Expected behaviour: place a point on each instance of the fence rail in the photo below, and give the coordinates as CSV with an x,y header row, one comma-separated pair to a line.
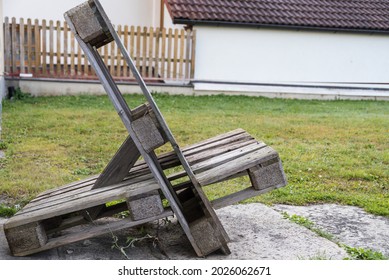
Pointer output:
x,y
49,49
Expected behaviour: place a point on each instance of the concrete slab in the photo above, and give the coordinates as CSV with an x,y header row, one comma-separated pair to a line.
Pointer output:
x,y
256,232
350,225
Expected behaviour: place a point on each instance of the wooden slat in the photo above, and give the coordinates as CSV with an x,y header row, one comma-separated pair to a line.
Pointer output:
x,y
169,53
51,46
29,46
182,55
125,66
44,48
15,48
193,56
151,52
37,41
144,51
226,157
118,54
138,48
83,193
58,48
240,196
156,54
22,44
163,53
112,60
175,54
94,231
79,61
72,54
84,201
120,165
237,165
187,54
7,46
132,46
65,49
106,54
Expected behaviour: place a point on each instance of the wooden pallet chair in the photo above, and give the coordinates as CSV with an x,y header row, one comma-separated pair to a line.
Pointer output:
x,y
139,185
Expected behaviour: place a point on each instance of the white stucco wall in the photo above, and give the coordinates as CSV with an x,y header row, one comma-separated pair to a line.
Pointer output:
x,y
294,57
131,12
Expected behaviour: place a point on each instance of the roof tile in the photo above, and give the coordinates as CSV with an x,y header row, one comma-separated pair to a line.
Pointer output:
x,y
337,14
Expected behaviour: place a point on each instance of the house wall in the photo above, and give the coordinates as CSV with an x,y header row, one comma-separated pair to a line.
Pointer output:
x,y
130,12
247,57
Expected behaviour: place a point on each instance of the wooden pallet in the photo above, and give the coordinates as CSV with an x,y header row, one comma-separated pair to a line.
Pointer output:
x,y
42,224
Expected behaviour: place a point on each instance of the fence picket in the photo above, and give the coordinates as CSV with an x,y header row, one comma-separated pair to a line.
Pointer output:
x,y
65,49
51,47
58,48
175,54
150,53
72,54
169,53
125,72
163,53
181,63
47,49
22,42
44,48
37,41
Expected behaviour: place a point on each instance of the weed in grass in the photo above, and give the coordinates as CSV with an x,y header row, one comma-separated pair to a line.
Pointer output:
x,y
363,254
7,212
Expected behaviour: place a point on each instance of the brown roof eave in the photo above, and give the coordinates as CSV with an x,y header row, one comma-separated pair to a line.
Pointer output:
x,y
277,26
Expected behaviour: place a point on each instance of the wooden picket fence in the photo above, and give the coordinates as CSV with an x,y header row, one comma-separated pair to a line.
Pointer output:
x,y
50,50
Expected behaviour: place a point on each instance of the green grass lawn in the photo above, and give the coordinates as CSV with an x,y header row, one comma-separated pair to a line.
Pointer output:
x,y
332,151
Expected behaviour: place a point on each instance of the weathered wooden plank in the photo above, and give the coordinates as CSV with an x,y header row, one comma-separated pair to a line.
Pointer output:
x,y
51,47
84,201
163,53
37,43
15,48
150,53
29,46
72,54
175,54
119,55
193,56
93,231
58,49
7,46
144,52
156,53
65,49
169,53
226,157
138,47
120,165
125,66
240,196
44,48
22,44
187,54
147,133
132,47
236,165
112,47
182,54
84,191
